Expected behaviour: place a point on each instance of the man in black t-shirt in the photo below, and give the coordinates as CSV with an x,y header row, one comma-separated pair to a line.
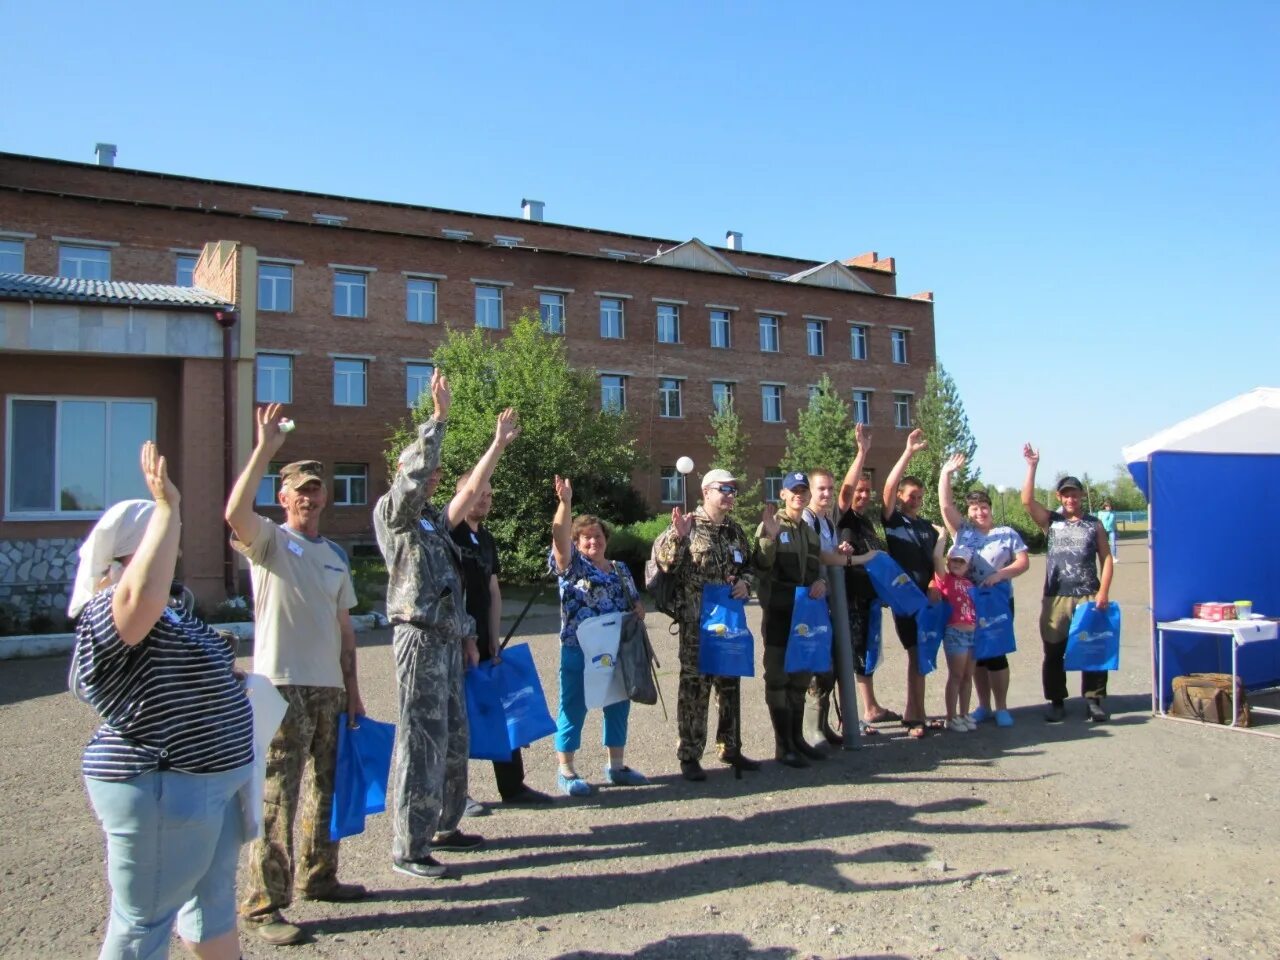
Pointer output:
x,y
913,541
480,569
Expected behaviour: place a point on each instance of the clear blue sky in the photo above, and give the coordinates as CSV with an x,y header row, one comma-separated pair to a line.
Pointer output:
x,y
1089,188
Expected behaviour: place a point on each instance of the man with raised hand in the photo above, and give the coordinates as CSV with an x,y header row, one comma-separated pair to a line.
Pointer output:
x,y
305,645
434,637
700,548
1077,548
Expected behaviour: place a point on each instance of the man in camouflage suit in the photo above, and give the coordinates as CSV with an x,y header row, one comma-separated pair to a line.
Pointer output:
x,y
706,547
433,636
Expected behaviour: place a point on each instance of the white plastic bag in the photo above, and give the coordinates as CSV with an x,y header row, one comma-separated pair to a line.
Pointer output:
x,y
598,637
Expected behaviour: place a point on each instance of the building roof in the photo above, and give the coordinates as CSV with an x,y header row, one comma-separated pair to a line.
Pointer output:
x,y
25,286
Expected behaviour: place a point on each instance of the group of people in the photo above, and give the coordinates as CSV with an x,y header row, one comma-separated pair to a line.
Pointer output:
x,y
169,772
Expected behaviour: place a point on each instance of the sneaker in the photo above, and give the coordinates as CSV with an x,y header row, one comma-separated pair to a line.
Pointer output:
x,y
428,869
457,840
969,722
573,786
692,770
1096,713
624,777
475,808
981,715
957,725
528,797
336,893
275,930
1056,713
1004,718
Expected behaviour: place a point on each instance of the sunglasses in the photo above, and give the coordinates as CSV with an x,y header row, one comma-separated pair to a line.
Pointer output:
x,y
727,490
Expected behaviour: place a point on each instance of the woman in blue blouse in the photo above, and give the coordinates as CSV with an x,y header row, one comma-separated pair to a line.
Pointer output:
x,y
175,747
590,586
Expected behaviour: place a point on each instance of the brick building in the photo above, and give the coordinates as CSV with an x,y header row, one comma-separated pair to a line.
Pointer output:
x,y
341,302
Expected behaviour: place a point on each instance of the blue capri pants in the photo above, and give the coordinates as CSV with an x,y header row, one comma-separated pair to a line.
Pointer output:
x,y
173,842
573,706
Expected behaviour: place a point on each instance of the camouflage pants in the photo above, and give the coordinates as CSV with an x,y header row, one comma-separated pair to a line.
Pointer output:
x,y
308,734
429,766
692,701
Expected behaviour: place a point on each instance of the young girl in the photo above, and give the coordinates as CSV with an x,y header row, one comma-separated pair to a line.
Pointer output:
x,y
952,581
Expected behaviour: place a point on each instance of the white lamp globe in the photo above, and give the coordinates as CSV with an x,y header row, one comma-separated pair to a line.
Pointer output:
x,y
684,465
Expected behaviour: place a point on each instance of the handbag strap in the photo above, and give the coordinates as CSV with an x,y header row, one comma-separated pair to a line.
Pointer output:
x,y
528,603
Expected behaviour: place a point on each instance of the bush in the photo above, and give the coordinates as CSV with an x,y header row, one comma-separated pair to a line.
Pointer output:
x,y
370,577
231,610
632,544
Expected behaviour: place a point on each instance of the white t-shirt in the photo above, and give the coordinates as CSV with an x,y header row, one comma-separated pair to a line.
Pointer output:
x,y
299,585
826,529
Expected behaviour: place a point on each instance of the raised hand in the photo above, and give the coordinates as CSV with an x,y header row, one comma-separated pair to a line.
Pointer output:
x,y
155,471
681,522
863,435
1030,454
270,436
954,462
916,441
564,490
769,521
441,395
508,427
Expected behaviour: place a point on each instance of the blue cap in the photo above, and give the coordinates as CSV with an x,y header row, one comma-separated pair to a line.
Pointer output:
x,y
793,480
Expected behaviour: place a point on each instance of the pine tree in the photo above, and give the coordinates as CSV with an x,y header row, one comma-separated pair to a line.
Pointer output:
x,y
940,414
729,444
824,434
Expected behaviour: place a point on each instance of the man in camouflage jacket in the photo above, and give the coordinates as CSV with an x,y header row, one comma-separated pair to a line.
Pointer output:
x,y
706,547
434,637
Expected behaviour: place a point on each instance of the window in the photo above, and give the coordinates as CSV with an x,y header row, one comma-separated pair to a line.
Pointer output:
x,y
613,392
721,395
185,270
348,382
551,307
275,287
720,329
771,402
768,334
814,392
74,455
350,484
349,290
611,327
668,323
862,406
12,256
417,379
773,488
902,411
899,346
275,378
668,397
420,300
815,336
268,494
672,485
84,263
488,307
858,342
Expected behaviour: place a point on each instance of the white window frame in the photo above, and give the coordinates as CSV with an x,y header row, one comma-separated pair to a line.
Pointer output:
x,y
345,476
860,406
899,340
858,341
78,254
611,307
618,382
667,321
347,378
773,487
769,323
418,292
771,392
275,284
902,411
815,337
272,396
669,388
728,391
671,486
487,295
17,459
12,248
268,492
724,320
551,311
345,284
421,371
180,269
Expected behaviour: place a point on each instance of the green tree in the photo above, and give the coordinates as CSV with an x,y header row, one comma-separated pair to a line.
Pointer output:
x,y
729,452
561,431
940,414
824,434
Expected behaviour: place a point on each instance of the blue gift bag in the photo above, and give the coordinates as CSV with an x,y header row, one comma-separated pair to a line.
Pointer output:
x,y
725,645
809,644
894,586
486,719
523,702
360,780
875,620
1093,639
993,631
931,624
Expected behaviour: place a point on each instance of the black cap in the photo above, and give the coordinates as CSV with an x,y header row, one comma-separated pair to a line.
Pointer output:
x,y
1069,481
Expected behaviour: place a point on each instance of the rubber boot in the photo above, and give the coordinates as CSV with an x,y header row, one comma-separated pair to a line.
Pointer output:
x,y
784,753
812,712
824,722
798,741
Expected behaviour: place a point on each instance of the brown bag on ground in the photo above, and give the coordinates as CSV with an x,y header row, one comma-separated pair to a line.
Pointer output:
x,y
1207,697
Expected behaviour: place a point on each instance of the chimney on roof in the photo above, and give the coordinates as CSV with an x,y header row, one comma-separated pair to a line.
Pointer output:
x,y
106,154
733,240
531,209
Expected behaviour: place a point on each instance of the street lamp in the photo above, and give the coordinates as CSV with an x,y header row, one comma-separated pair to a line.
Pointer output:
x,y
684,466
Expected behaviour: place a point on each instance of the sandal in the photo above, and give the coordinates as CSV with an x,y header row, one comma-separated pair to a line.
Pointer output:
x,y
867,730
885,716
916,731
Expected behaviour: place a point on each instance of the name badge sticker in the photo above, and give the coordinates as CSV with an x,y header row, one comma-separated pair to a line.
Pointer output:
x,y
474,538
785,537
426,525
737,555
295,548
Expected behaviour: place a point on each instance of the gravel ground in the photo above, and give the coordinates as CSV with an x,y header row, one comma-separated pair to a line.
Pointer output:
x,y
1138,838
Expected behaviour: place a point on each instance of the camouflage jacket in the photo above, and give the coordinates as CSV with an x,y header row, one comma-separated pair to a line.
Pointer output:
x,y
424,579
788,562
712,553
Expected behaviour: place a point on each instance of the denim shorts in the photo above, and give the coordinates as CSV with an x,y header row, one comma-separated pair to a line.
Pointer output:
x,y
956,642
173,842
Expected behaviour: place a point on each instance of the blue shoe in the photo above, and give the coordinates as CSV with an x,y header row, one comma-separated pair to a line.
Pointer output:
x,y
625,777
982,714
1004,718
573,786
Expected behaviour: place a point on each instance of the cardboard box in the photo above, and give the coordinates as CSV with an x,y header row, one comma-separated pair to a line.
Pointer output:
x,y
1215,610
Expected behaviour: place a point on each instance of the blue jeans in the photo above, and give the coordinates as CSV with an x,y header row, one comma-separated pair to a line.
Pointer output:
x,y
573,707
173,842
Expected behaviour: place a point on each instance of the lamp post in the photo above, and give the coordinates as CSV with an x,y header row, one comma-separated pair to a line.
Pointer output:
x,y
684,466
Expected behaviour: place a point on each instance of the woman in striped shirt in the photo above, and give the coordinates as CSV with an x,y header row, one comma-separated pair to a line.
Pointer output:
x,y
164,770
